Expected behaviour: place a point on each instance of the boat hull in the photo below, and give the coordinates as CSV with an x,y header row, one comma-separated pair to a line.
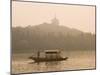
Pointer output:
x,y
47,60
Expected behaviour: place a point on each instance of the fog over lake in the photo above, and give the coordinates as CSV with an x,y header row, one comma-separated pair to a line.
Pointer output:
x,y
77,60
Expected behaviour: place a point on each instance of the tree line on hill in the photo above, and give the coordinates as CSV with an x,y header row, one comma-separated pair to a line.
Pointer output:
x,y
41,38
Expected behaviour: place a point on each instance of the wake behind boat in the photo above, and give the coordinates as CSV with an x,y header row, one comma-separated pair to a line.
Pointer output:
x,y
50,55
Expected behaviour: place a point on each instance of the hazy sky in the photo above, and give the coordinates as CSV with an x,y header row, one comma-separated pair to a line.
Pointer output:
x,y
73,16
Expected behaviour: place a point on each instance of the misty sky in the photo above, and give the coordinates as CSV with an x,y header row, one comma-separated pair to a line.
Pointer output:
x,y
73,16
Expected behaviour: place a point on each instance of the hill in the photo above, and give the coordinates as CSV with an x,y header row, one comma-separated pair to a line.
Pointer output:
x,y
48,36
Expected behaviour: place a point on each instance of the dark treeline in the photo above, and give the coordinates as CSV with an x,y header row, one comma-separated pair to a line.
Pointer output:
x,y
50,37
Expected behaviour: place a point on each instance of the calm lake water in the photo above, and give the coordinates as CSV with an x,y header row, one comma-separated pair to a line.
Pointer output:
x,y
76,60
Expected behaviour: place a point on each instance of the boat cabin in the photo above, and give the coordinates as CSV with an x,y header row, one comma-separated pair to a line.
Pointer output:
x,y
52,54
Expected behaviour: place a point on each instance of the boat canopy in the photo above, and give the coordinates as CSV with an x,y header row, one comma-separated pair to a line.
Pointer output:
x,y
52,51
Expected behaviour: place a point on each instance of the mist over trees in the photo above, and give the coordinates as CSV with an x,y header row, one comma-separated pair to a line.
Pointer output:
x,y
47,36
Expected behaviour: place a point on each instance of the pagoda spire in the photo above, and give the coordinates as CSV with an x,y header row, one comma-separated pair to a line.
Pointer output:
x,y
55,21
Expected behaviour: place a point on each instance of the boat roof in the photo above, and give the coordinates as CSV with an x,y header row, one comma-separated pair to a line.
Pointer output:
x,y
51,51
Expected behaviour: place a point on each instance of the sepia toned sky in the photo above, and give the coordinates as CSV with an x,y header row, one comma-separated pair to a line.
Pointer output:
x,y
73,16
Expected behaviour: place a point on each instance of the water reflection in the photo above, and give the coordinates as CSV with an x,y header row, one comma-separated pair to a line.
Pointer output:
x,y
52,66
48,66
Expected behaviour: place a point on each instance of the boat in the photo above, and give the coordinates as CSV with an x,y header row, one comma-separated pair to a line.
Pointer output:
x,y
50,55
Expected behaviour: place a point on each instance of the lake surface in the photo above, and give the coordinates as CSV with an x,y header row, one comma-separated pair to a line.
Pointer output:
x,y
76,60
